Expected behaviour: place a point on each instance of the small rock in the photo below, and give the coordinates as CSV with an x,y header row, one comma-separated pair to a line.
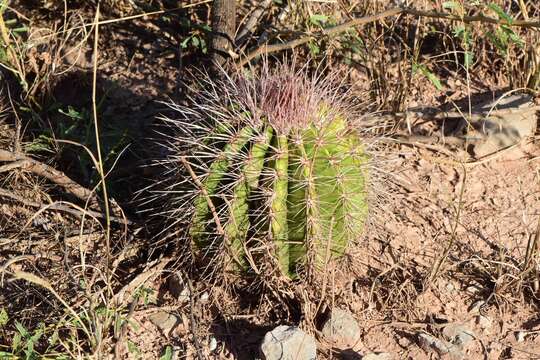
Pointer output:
x,y
178,288
500,130
164,321
212,344
288,343
458,334
473,289
520,336
377,356
431,343
475,307
204,297
483,321
341,328
177,353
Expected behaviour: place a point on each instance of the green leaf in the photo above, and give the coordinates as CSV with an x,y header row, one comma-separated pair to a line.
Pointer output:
x,y
429,75
318,19
53,339
184,43
512,36
168,354
500,13
16,342
4,318
451,5
469,58
314,48
132,348
21,329
434,80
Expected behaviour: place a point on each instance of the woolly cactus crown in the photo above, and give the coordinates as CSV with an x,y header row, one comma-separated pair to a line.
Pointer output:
x,y
267,168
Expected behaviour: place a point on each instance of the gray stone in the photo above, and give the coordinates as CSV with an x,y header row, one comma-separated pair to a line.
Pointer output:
x,y
442,347
458,334
288,343
341,328
377,356
164,321
520,336
513,119
178,288
484,322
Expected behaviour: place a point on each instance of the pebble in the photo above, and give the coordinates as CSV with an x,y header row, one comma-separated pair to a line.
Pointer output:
x,y
341,328
178,288
164,321
431,343
458,334
213,344
288,343
484,322
204,297
520,336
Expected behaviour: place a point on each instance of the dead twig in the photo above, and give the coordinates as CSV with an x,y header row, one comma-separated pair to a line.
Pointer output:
x,y
48,172
267,49
59,206
196,341
252,21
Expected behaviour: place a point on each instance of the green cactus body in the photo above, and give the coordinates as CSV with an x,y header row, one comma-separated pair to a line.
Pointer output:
x,y
215,175
314,179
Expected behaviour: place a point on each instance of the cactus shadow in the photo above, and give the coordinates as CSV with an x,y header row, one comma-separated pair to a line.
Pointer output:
x,y
241,337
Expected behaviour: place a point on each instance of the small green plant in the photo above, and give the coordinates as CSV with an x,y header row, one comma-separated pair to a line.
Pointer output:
x,y
279,173
196,36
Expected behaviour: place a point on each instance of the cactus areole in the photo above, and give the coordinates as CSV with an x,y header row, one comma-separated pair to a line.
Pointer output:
x,y
285,177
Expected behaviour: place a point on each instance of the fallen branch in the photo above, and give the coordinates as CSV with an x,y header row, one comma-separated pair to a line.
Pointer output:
x,y
48,172
59,206
267,49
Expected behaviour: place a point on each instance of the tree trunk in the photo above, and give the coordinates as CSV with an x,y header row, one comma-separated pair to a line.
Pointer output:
x,y
223,28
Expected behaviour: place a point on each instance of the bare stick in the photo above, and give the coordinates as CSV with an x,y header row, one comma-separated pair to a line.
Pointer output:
x,y
58,206
267,49
48,172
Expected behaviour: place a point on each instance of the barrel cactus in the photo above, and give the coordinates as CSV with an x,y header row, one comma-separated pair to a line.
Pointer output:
x,y
268,168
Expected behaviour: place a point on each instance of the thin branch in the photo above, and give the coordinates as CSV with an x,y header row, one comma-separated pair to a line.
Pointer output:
x,y
48,172
267,49
469,19
252,21
58,206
